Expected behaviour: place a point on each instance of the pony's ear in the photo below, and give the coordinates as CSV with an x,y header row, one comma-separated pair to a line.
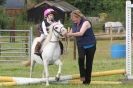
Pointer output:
x,y
59,21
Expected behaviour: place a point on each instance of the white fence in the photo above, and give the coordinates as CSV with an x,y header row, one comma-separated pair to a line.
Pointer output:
x,y
15,45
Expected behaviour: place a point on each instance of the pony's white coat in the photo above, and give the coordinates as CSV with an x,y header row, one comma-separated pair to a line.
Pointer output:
x,y
116,26
51,51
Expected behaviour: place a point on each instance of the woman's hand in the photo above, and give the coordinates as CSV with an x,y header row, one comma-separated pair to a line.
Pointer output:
x,y
69,34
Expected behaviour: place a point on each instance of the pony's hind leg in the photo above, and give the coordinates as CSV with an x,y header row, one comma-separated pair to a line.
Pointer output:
x,y
59,63
32,67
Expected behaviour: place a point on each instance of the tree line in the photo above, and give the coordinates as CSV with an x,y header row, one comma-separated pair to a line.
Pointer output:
x,y
114,8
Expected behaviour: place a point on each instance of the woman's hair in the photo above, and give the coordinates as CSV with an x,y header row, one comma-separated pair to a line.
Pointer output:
x,y
77,13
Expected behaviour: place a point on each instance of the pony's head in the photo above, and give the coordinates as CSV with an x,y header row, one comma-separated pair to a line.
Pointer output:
x,y
58,28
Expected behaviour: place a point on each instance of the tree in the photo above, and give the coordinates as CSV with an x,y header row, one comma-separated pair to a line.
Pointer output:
x,y
2,2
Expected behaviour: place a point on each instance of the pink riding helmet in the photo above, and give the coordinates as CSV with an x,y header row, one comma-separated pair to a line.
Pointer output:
x,y
48,11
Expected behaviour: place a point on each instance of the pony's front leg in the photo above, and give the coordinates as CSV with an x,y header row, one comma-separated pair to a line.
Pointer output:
x,y
59,63
46,72
43,75
107,30
119,30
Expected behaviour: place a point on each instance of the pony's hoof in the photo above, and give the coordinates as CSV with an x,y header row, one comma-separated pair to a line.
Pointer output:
x,y
57,78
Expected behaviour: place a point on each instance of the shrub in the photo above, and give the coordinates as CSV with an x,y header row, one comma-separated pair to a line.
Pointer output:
x,y
3,20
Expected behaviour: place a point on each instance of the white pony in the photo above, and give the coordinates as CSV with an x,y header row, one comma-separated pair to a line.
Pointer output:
x,y
51,51
116,26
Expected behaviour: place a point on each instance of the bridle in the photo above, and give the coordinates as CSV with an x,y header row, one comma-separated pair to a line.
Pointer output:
x,y
59,32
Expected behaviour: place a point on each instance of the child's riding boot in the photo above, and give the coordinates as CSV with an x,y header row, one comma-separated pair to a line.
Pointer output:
x,y
37,48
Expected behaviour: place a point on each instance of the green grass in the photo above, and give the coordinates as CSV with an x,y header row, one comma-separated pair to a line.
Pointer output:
x,y
102,62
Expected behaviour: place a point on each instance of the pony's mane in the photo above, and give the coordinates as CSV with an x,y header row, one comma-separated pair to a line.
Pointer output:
x,y
49,35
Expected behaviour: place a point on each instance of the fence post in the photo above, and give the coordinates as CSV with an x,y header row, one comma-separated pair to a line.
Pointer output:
x,y
74,52
26,45
12,33
111,34
128,40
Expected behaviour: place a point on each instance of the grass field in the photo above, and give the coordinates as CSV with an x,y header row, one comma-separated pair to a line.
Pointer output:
x,y
102,62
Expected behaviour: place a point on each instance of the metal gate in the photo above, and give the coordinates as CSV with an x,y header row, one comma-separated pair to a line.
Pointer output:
x,y
15,45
